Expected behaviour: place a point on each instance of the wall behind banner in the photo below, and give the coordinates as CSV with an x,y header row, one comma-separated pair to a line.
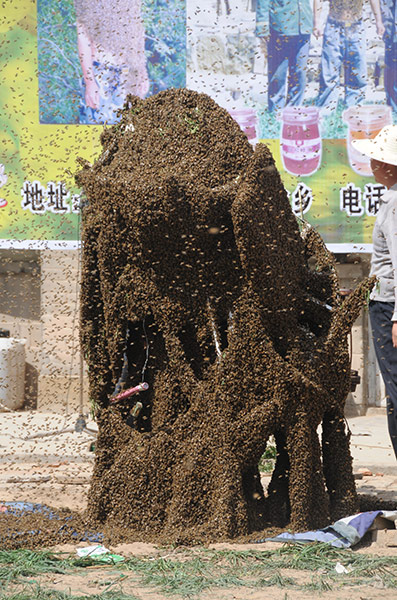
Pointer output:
x,y
303,77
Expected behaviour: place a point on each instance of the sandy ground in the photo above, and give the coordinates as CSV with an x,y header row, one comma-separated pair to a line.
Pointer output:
x,y
65,484
97,580
56,471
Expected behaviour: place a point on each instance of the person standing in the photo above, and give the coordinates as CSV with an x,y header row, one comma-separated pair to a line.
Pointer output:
x,y
382,150
389,17
111,47
344,44
284,28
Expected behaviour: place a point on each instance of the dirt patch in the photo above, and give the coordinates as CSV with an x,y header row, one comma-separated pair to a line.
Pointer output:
x,y
200,573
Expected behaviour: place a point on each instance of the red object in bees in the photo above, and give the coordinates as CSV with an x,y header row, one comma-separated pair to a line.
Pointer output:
x,y
142,387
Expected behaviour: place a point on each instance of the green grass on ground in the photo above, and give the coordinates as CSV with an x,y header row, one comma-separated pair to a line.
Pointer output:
x,y
38,593
186,573
268,459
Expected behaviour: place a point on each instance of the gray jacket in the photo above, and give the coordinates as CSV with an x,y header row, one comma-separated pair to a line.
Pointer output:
x,y
384,253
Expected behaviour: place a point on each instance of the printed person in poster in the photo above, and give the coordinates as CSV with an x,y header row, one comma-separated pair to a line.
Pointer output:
x,y
389,17
284,27
344,43
382,150
111,46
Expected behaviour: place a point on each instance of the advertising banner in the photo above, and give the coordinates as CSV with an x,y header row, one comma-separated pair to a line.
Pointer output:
x,y
304,76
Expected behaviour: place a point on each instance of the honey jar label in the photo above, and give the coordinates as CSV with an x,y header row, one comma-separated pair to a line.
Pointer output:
x,y
299,149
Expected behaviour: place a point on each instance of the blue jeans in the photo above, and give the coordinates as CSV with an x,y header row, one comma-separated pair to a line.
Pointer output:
x,y
111,95
390,72
343,45
380,314
287,61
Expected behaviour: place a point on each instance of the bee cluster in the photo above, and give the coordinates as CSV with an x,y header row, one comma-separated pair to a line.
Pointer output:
x,y
198,279
199,282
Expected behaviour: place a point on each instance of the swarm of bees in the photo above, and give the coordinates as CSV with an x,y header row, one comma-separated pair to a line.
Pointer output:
x,y
199,281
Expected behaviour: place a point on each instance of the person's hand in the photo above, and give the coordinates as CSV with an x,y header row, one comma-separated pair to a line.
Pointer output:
x,y
394,334
263,41
380,28
317,31
144,84
91,93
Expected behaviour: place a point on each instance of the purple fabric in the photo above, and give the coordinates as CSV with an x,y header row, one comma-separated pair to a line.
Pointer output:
x,y
341,534
363,521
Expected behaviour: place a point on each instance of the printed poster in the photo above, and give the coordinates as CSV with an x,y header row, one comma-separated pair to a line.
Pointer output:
x,y
305,77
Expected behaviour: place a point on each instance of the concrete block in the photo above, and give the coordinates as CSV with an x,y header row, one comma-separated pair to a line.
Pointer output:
x,y
375,411
55,362
358,328
62,271
28,329
55,300
355,406
55,283
60,342
62,394
52,323
355,271
385,538
355,399
35,333
31,331
10,324
59,259
358,362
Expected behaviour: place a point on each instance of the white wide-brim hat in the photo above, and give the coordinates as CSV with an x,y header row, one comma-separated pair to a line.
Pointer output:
x,y
382,147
